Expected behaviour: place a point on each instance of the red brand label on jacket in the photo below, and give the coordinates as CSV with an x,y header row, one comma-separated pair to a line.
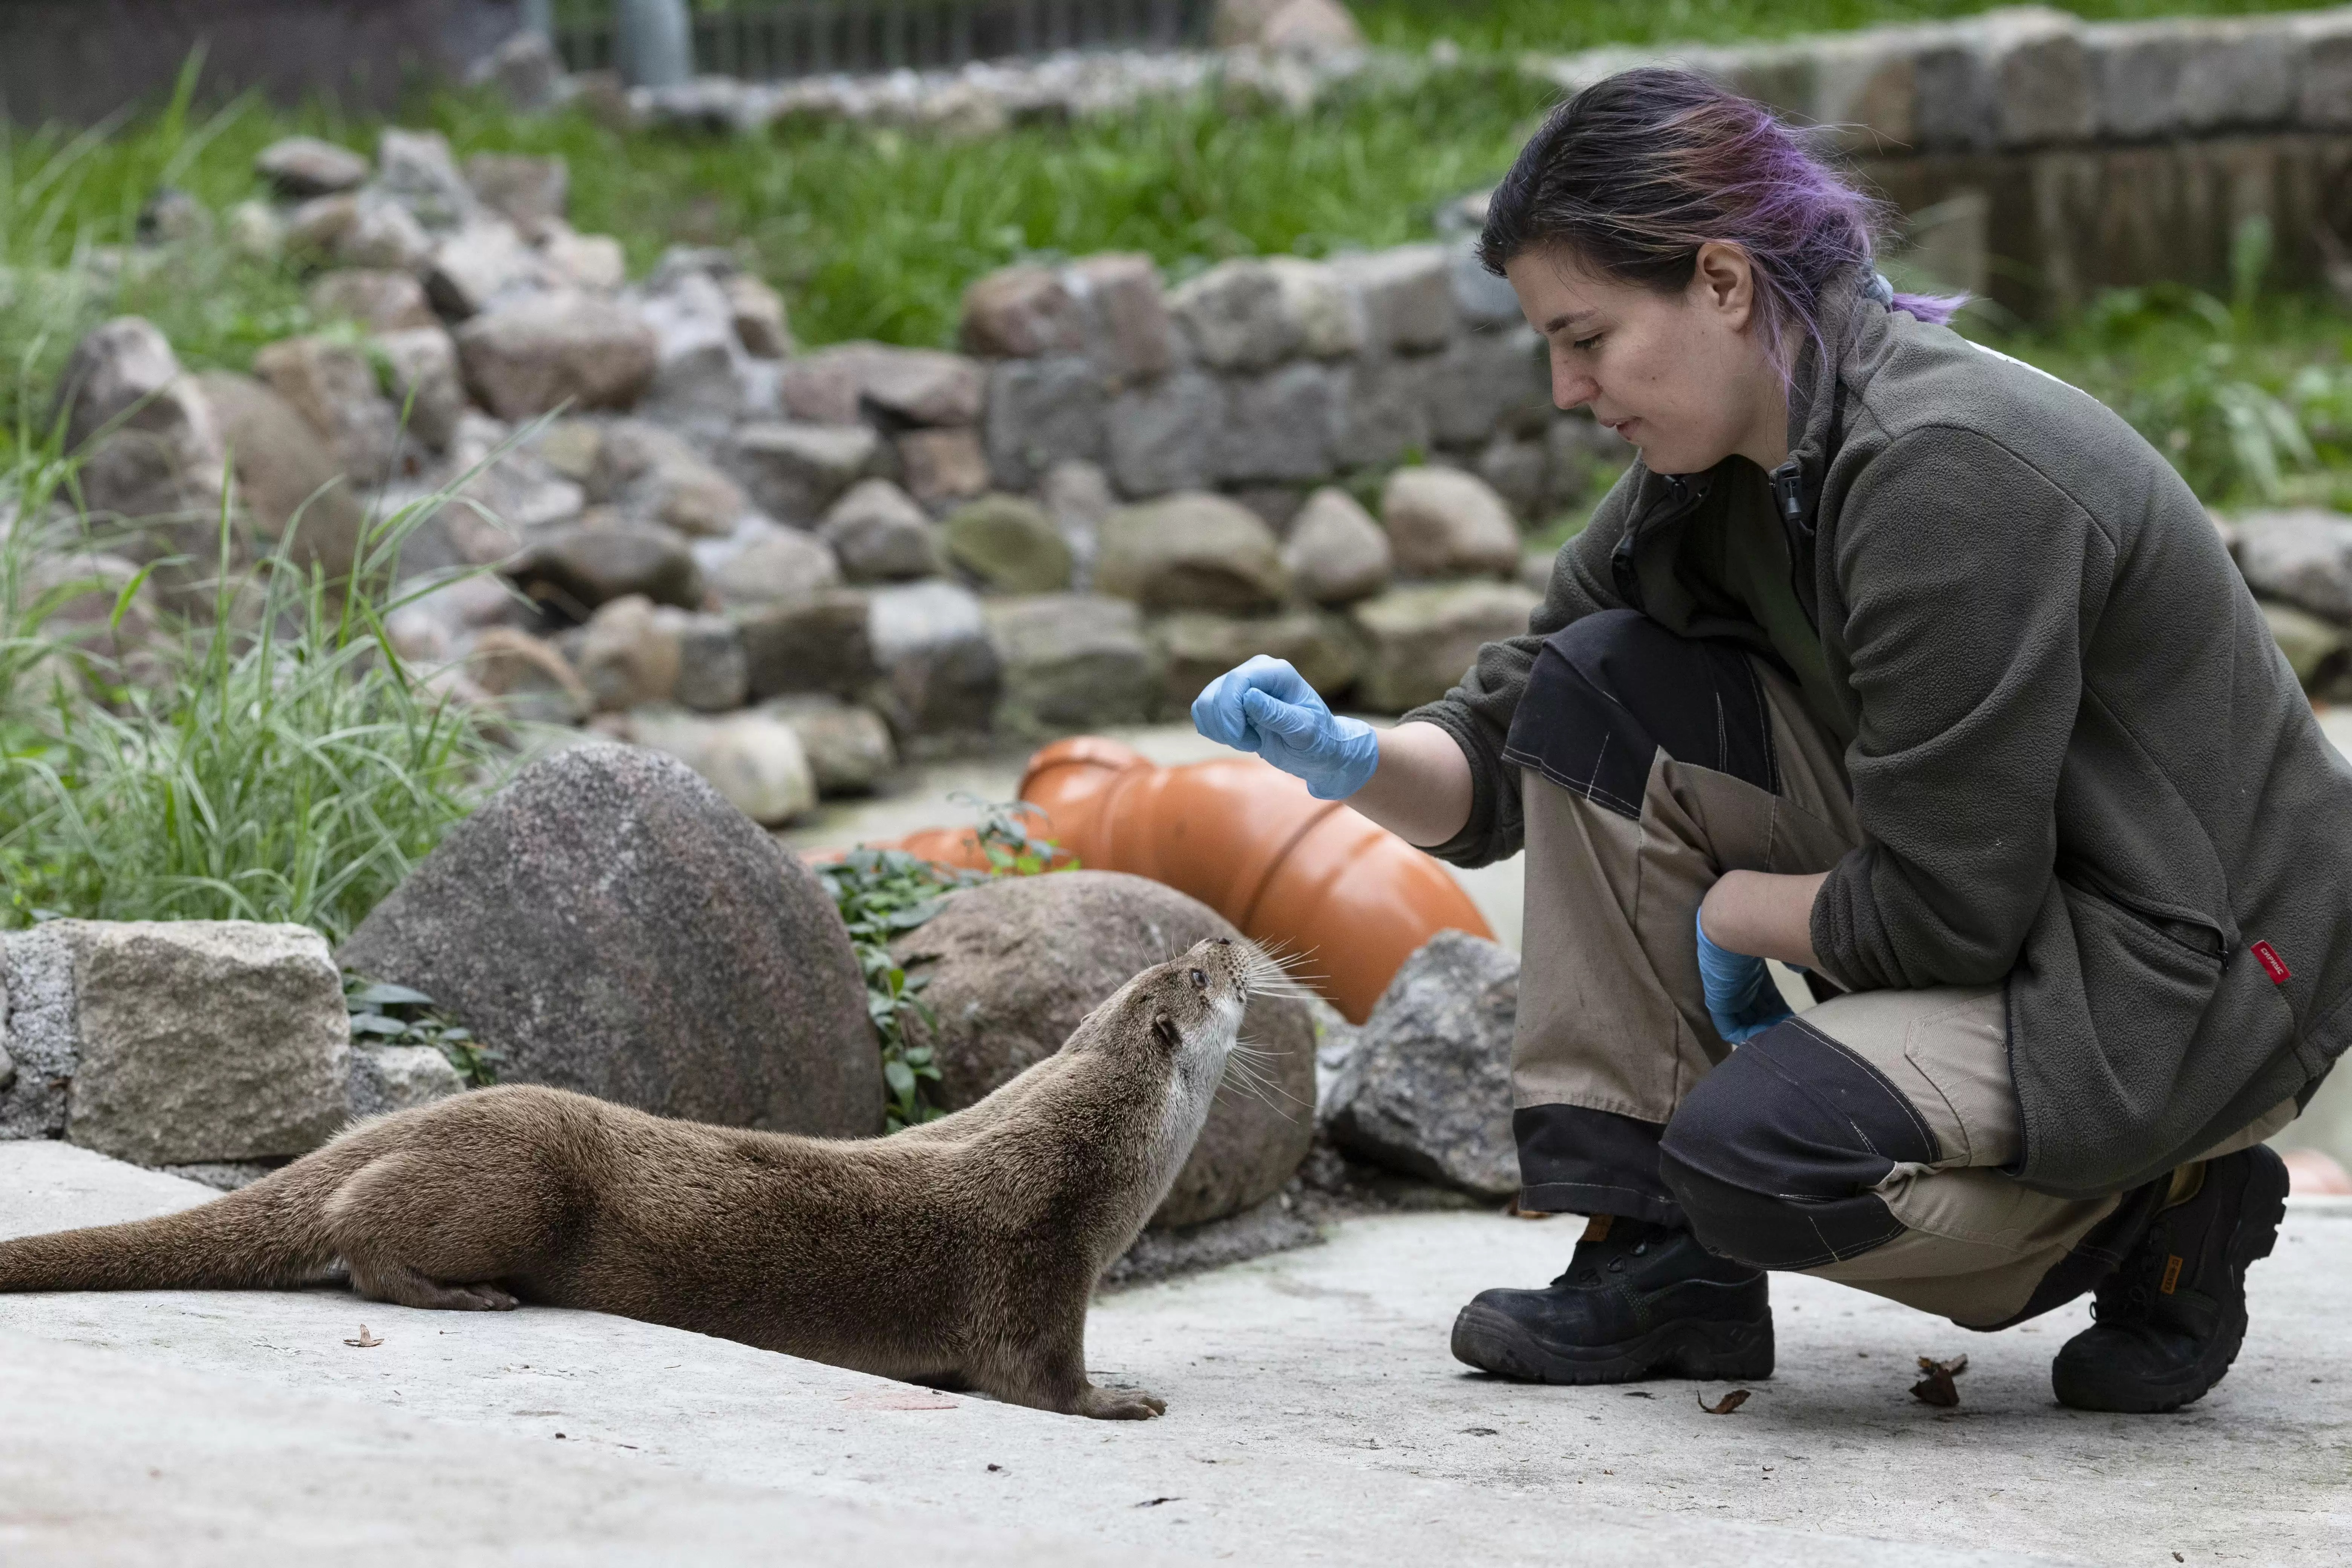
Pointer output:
x,y
2272,965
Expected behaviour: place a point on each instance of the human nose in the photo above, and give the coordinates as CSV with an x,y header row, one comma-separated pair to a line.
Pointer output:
x,y
1571,388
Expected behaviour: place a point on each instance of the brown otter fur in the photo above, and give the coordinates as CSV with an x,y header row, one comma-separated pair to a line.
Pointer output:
x,y
960,1254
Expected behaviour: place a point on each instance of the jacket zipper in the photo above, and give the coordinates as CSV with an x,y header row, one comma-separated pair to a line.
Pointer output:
x,y
1680,500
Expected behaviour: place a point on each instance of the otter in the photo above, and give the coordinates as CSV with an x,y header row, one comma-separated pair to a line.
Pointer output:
x,y
958,1254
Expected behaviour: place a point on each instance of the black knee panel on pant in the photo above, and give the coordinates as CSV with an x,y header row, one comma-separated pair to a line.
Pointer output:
x,y
1774,1155
1608,691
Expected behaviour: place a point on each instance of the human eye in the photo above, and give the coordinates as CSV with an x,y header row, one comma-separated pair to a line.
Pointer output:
x,y
1584,345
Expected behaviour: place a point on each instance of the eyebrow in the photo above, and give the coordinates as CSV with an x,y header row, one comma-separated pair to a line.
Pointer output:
x,y
1568,320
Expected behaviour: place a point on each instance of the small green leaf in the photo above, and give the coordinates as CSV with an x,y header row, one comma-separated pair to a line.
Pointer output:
x,y
381,994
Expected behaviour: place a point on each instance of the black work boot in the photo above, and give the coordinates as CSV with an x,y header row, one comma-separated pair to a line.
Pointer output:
x,y
2171,1317
1638,1300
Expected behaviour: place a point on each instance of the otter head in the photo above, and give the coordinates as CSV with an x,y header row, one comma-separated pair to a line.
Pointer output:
x,y
1174,1026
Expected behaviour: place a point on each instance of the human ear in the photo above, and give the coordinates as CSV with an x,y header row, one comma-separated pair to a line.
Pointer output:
x,y
1723,282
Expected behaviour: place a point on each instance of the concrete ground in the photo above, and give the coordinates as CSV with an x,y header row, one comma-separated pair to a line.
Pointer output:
x,y
1314,1415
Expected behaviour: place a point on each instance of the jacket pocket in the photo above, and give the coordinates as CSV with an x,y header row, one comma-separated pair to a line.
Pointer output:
x,y
2147,979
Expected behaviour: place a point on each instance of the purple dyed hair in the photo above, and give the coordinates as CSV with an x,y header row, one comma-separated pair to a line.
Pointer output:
x,y
1636,172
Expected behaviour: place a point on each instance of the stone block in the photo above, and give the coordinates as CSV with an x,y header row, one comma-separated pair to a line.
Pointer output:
x,y
713,676
283,471
1071,661
776,565
1278,427
1041,412
1380,412
1444,522
1866,84
941,466
1487,383
940,668
881,534
701,380
848,747
1405,294
334,388
37,1030
2303,556
2323,47
532,193
206,1040
427,386
414,168
752,759
652,475
1192,551
629,653
1235,316
1515,468
2313,648
1130,334
758,313
1008,544
1022,312
1322,307
923,387
1161,434
795,472
580,566
378,300
554,349
386,1078
298,167
1077,497
2182,76
1480,299
2019,76
1336,554
820,644
1195,647
1421,639
483,266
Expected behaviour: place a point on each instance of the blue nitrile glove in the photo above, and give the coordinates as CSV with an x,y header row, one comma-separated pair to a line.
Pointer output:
x,y
1740,996
1266,707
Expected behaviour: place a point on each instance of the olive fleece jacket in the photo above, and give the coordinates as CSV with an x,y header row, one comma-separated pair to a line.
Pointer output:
x,y
2080,760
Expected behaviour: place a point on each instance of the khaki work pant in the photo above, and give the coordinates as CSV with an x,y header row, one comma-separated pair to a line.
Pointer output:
x,y
1864,1141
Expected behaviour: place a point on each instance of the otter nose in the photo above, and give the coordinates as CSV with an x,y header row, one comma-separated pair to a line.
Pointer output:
x,y
1224,941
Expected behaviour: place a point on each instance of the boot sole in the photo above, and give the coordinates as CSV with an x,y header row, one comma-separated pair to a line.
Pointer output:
x,y
2261,1213
1492,1342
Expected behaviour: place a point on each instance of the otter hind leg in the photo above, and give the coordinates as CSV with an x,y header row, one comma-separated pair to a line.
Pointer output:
x,y
442,1230
383,1280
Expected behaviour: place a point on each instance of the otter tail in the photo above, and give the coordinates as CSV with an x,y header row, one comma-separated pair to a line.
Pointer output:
x,y
271,1234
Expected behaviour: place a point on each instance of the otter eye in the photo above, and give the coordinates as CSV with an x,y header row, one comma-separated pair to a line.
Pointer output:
x,y
1200,980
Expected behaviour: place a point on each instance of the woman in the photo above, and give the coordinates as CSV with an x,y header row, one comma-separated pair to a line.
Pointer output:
x,y
1902,662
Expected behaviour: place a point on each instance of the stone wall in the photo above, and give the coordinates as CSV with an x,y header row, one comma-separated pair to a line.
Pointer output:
x,y
1265,378
2048,158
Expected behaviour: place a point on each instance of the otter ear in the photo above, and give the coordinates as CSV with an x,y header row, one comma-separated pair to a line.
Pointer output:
x,y
1163,1029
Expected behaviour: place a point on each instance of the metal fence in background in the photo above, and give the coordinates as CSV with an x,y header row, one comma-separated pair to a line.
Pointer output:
x,y
771,40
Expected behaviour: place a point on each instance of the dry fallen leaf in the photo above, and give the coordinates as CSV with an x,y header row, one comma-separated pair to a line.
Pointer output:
x,y
1935,1388
366,1342
1727,1403
1513,1209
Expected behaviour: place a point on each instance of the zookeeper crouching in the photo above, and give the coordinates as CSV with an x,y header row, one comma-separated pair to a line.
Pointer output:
x,y
1902,662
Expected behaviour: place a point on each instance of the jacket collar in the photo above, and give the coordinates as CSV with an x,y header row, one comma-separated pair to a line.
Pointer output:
x,y
1854,314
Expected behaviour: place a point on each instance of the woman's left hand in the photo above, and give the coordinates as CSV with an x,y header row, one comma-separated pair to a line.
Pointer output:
x,y
1740,996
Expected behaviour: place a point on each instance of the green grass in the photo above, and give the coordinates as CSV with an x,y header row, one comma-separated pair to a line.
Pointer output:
x,y
281,763
1562,26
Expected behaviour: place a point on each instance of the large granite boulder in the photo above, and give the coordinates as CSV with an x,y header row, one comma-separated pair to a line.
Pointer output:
x,y
1427,1089
1014,965
615,927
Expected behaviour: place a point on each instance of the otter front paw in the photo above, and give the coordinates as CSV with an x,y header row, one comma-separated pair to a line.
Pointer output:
x,y
1120,1405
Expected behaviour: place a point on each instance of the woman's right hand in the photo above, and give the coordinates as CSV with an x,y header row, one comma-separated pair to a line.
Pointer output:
x,y
1266,707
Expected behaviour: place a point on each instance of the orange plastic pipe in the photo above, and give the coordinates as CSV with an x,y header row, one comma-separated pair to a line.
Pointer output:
x,y
1305,875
